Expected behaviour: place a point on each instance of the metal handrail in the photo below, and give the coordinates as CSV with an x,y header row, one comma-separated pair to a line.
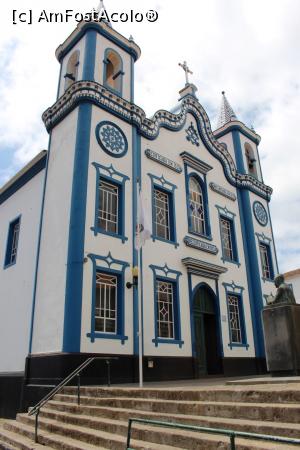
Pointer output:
x,y
36,409
230,433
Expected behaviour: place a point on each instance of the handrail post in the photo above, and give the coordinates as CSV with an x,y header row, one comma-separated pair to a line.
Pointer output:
x,y
232,441
128,433
108,372
36,427
78,389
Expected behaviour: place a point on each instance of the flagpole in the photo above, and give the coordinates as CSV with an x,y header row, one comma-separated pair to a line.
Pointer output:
x,y
139,293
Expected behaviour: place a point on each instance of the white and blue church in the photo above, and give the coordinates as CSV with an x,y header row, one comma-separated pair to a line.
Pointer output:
x,y
68,221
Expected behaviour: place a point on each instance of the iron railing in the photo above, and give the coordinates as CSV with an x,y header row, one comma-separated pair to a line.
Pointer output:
x,y
76,373
230,433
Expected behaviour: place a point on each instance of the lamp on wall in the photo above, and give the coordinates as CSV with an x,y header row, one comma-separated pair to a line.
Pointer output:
x,y
135,277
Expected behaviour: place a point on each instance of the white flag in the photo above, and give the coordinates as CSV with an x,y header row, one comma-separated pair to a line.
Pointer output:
x,y
143,231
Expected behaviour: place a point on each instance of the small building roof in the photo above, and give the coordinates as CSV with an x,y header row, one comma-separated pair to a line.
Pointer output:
x,y
292,273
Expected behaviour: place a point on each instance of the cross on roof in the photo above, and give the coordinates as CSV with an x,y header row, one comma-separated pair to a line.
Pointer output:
x,y
186,70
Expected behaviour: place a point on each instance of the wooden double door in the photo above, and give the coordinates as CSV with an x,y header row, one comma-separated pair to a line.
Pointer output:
x,y
206,333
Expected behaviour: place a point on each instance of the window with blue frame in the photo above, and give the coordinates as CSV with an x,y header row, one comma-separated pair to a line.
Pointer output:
x,y
108,207
12,242
165,309
106,303
196,207
108,298
235,315
163,220
166,306
110,202
236,326
162,224
266,261
228,240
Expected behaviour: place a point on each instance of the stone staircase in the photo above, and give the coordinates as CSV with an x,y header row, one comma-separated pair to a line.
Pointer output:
x,y
101,420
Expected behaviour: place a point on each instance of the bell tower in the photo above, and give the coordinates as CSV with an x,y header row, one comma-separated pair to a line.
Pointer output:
x,y
96,70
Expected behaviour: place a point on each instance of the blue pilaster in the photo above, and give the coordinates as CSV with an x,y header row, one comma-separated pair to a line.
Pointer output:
x,y
136,174
74,276
250,251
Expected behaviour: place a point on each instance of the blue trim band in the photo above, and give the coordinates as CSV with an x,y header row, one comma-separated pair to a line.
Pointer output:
x,y
27,176
73,300
89,56
47,156
237,128
97,29
250,251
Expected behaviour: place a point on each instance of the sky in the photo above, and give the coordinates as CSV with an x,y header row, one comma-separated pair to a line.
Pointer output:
x,y
249,49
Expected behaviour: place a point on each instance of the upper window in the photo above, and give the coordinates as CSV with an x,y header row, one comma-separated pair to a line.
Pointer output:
x,y
228,239
162,214
72,69
113,72
196,206
108,211
266,261
251,161
106,303
12,242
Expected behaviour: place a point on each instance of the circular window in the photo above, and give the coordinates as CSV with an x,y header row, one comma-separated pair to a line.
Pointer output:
x,y
111,139
260,213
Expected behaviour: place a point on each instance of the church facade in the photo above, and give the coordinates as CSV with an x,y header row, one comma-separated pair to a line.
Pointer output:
x,y
68,222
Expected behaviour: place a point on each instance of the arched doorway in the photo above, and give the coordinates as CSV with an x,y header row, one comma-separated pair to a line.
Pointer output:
x,y
206,332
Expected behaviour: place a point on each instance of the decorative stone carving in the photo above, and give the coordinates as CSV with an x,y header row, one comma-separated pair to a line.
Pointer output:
x,y
163,160
192,135
260,213
111,139
200,245
221,190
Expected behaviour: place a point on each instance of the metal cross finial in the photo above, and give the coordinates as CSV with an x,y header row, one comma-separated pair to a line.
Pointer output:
x,y
186,70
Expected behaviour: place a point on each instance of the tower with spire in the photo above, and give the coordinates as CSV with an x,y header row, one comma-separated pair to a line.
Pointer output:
x,y
68,222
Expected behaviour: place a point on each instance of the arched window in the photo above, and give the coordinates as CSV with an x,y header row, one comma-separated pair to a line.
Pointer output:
x,y
251,161
72,69
113,71
196,207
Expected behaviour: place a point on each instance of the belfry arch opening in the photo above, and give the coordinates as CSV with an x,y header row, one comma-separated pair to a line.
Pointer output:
x,y
113,71
251,160
71,74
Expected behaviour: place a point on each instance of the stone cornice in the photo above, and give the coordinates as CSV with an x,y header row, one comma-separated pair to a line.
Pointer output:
x,y
89,91
101,28
240,126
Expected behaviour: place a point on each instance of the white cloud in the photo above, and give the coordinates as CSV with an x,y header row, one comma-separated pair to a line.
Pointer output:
x,y
249,49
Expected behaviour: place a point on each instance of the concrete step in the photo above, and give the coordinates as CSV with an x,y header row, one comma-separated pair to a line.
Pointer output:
x,y
149,437
22,437
256,394
123,414
274,412
9,440
81,438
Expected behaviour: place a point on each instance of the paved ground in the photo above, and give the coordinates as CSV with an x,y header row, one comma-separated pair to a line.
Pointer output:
x,y
219,381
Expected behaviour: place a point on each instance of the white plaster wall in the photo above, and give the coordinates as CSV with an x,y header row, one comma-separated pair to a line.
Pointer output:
x,y
171,145
102,44
81,47
295,282
102,244
16,281
227,139
50,294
